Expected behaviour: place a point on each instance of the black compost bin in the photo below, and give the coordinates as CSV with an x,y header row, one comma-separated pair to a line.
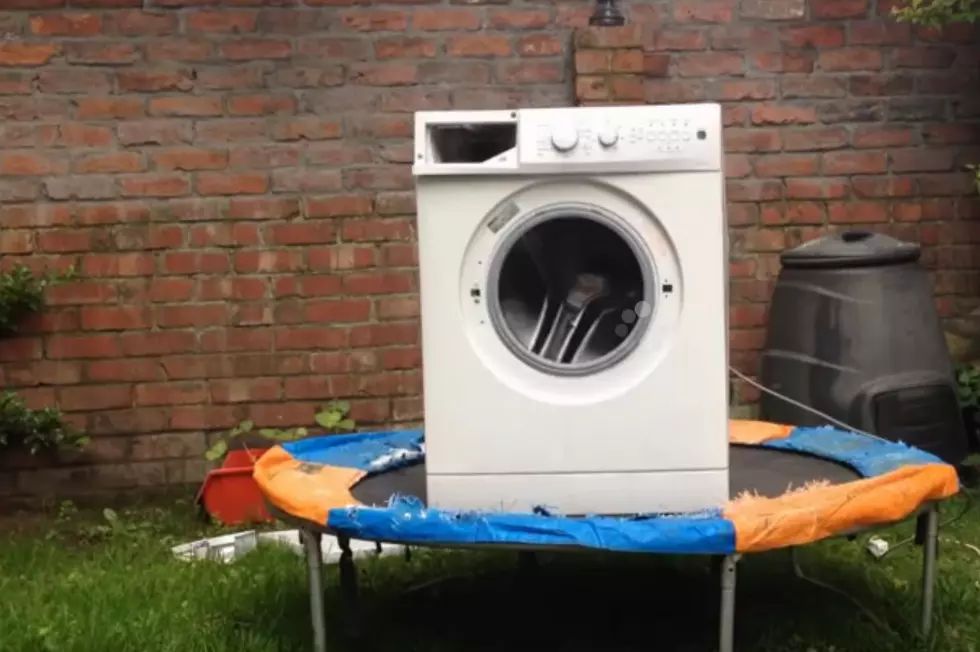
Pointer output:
x,y
853,332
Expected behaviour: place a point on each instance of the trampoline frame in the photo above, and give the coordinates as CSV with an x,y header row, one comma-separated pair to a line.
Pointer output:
x,y
311,535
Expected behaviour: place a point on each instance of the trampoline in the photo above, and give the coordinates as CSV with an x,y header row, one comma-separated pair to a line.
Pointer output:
x,y
789,487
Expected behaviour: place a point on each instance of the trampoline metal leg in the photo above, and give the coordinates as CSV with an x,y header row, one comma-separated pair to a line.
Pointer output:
x,y
726,623
929,550
314,565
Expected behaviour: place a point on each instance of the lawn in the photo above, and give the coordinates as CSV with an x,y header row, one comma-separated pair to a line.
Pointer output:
x,y
79,582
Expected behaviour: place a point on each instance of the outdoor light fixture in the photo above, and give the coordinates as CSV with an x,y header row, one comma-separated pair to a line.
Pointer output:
x,y
607,14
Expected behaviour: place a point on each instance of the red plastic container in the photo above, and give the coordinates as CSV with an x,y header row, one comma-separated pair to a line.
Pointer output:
x,y
230,495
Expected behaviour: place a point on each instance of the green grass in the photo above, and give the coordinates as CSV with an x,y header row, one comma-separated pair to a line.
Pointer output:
x,y
82,583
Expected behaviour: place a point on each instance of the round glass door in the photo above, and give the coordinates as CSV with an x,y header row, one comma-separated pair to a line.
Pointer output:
x,y
571,289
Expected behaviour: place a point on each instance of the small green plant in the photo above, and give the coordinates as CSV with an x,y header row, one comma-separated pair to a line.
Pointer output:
x,y
968,385
22,427
938,13
22,294
332,418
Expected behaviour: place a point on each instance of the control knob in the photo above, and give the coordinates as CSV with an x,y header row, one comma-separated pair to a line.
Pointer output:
x,y
608,136
564,137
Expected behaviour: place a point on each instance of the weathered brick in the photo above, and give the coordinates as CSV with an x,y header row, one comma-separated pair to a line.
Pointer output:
x,y
16,53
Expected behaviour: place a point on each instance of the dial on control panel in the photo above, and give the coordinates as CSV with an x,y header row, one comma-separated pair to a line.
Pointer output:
x,y
564,138
608,136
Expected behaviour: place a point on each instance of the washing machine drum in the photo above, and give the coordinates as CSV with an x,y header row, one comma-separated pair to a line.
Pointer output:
x,y
571,290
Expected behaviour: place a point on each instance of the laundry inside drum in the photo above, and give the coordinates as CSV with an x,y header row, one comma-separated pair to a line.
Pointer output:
x,y
572,294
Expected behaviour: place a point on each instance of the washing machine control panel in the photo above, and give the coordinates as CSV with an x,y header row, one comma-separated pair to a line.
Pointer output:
x,y
673,138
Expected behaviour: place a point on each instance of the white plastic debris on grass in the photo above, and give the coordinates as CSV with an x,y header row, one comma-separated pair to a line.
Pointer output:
x,y
229,547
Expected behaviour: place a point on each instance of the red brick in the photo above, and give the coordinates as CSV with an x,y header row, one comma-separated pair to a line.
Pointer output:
x,y
215,183
103,397
299,180
185,106
116,265
191,262
180,393
857,212
109,108
95,214
306,128
814,189
875,137
16,53
24,164
479,46
745,90
64,240
846,163
870,187
224,235
16,242
223,131
191,316
153,81
189,159
155,185
342,257
111,318
270,104
82,346
539,45
850,59
246,390
265,156
71,24
252,49
773,9
174,49
445,19
922,160
108,163
140,23
397,308
375,20
772,114
406,48
97,53
263,209
300,233
520,19
185,3
782,61
816,36
224,22
838,9
273,260
712,11
787,165
821,138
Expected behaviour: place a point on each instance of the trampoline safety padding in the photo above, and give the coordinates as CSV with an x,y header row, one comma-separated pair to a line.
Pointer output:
x,y
789,487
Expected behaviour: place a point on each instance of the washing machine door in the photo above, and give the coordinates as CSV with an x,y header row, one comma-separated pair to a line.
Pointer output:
x,y
572,275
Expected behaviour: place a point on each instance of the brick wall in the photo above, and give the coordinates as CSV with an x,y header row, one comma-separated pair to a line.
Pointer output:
x,y
231,179
836,117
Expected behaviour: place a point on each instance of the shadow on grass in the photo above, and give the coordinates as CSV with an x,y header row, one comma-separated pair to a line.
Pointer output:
x,y
579,602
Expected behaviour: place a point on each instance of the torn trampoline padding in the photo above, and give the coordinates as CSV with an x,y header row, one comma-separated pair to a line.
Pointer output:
x,y
312,479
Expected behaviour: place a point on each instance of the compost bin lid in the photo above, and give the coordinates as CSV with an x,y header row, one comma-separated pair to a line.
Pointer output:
x,y
851,249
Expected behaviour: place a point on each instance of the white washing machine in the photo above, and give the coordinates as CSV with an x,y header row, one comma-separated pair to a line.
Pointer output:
x,y
573,281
